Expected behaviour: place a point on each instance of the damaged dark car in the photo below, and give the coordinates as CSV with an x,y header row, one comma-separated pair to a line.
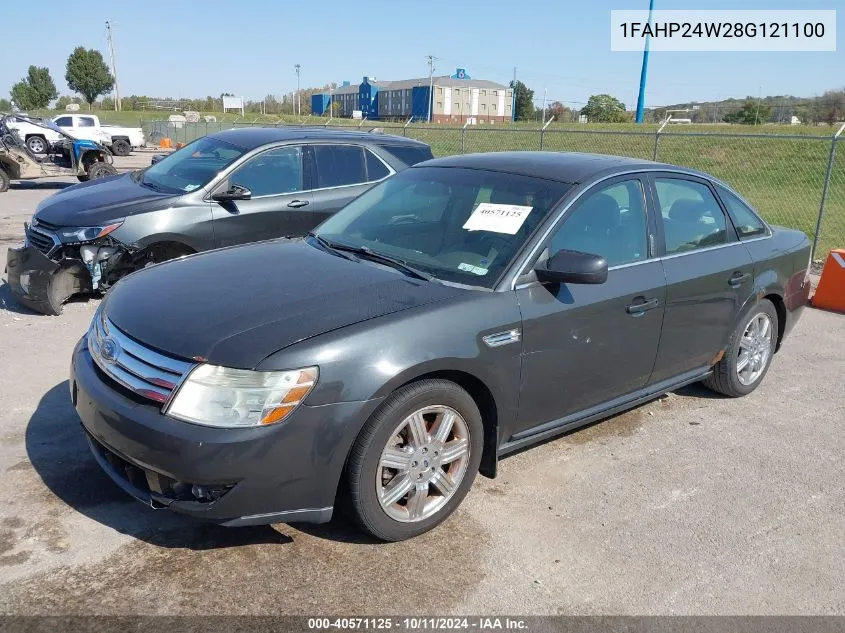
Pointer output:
x,y
230,188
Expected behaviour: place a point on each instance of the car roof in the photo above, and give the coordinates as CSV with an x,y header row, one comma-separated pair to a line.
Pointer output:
x,y
252,137
568,167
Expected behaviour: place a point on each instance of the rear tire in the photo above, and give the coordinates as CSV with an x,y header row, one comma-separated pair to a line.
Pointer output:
x,y
5,181
749,353
37,144
432,431
121,147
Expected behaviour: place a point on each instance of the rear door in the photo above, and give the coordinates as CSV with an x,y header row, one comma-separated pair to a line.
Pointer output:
x,y
280,198
709,274
342,172
585,345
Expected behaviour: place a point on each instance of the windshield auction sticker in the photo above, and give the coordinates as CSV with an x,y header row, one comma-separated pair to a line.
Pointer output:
x,y
723,30
497,218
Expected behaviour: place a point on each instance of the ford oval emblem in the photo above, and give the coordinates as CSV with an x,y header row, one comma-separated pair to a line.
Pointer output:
x,y
109,350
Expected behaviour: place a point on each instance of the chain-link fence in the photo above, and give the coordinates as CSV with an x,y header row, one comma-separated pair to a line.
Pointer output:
x,y
785,177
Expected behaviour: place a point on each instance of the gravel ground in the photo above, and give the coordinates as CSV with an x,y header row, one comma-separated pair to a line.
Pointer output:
x,y
692,504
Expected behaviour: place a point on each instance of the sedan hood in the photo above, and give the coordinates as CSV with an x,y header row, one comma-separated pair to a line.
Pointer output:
x,y
99,201
236,306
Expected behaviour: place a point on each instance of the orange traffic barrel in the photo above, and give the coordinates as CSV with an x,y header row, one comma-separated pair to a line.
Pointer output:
x,y
165,143
830,293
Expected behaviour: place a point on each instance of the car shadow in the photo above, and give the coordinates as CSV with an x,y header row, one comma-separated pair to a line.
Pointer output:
x,y
9,303
59,454
30,184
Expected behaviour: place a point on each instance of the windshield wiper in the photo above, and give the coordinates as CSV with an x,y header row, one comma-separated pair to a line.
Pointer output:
x,y
367,253
152,185
330,246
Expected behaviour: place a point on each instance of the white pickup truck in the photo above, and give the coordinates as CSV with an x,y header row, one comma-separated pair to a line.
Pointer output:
x,y
121,140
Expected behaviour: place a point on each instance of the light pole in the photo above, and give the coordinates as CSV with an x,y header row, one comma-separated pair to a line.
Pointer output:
x,y
644,73
430,59
298,96
113,67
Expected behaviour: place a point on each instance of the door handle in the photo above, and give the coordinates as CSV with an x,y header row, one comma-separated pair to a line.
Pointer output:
x,y
297,204
642,307
737,279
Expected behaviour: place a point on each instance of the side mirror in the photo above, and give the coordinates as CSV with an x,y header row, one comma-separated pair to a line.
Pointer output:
x,y
234,192
572,267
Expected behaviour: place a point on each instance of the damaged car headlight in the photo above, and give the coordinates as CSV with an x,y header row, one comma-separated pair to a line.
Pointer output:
x,y
236,398
88,233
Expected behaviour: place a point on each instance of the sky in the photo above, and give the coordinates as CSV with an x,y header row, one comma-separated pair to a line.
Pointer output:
x,y
559,47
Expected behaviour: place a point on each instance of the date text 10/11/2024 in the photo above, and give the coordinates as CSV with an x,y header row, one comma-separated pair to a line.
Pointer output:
x,y
418,623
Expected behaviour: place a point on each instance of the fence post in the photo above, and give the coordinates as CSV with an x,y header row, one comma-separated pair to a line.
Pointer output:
x,y
405,127
657,137
463,129
543,132
825,190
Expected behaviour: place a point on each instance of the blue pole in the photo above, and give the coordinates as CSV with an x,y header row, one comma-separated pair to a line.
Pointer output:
x,y
644,73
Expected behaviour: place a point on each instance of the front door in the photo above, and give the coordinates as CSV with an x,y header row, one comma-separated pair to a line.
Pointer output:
x,y
709,275
280,199
584,345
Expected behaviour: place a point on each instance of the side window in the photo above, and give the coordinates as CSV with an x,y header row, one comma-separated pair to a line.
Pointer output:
x,y
410,154
609,221
376,170
691,216
85,121
64,121
745,220
271,173
339,165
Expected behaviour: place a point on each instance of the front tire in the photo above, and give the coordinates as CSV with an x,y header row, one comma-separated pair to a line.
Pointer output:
x,y
100,170
5,181
415,459
749,353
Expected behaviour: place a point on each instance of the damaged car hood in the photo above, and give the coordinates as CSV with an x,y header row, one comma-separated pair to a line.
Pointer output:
x,y
236,306
100,201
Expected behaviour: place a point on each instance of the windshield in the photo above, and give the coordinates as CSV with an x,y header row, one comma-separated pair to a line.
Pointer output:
x,y
191,167
459,225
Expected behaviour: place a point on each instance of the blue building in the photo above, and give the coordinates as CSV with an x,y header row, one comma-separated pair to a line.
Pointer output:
x,y
451,98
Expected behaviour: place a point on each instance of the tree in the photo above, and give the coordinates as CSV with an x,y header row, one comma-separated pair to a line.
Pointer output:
x,y
524,101
63,101
88,74
5,105
752,112
604,109
36,90
559,112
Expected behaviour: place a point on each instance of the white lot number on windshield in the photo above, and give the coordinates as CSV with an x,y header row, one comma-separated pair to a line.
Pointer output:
x,y
497,218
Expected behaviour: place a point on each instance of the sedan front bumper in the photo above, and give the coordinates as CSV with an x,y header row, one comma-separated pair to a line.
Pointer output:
x,y
41,284
282,473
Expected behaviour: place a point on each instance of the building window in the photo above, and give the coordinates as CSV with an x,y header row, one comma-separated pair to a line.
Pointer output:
x,y
439,90
439,105
493,106
457,106
483,93
495,93
484,107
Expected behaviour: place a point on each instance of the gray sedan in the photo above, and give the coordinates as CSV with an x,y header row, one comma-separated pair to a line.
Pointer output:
x,y
463,309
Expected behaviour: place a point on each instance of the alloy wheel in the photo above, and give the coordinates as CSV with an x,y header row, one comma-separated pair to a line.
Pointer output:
x,y
755,348
423,463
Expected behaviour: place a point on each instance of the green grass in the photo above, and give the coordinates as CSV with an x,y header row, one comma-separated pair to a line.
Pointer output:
x,y
782,177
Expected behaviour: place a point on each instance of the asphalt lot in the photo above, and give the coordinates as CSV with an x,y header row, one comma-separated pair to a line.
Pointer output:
x,y
693,504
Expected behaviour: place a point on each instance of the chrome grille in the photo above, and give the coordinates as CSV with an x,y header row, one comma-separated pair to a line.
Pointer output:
x,y
134,366
44,242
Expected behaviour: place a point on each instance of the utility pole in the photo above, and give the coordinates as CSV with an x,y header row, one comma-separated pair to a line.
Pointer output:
x,y
113,67
759,98
644,72
545,91
513,97
298,96
430,59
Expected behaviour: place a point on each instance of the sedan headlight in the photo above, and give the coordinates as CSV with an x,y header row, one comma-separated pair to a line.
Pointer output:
x,y
235,398
88,233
